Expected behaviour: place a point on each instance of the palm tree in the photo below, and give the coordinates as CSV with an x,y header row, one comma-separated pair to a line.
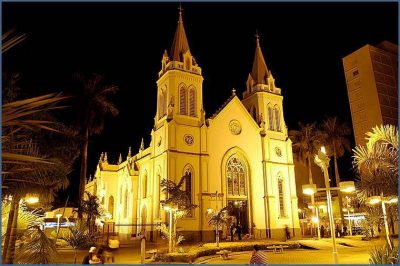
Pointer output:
x,y
377,162
336,138
90,207
77,238
217,219
93,104
306,142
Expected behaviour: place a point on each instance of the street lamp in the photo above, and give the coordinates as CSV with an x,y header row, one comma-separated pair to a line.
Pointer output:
x,y
348,215
32,198
384,200
322,160
171,209
58,215
315,219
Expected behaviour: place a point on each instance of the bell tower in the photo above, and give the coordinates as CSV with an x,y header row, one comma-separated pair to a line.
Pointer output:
x,y
262,98
179,87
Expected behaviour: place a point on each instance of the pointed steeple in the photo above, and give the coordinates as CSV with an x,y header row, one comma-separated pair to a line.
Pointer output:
x,y
129,153
259,72
180,44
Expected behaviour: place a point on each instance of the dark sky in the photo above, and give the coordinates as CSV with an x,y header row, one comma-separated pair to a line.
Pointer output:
x,y
303,44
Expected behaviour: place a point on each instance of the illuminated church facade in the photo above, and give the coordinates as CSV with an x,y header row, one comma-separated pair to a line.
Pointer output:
x,y
242,152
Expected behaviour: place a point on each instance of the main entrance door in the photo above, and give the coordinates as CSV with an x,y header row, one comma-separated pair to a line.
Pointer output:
x,y
240,213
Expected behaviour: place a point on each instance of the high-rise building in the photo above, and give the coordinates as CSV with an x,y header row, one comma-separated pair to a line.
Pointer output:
x,y
371,78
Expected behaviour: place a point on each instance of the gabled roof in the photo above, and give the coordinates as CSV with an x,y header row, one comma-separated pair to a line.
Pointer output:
x,y
259,72
180,43
223,106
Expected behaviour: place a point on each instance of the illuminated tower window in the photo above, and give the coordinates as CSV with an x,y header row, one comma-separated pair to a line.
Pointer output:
x,y
192,102
277,119
270,119
182,101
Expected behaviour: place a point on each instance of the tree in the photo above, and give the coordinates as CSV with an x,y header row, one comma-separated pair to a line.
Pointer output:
x,y
77,238
92,105
336,138
377,163
217,219
91,209
306,142
176,197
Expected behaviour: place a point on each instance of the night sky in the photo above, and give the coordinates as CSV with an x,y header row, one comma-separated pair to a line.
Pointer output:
x,y
303,45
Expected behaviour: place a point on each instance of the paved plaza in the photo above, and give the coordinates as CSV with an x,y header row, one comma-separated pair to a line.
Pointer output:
x,y
351,251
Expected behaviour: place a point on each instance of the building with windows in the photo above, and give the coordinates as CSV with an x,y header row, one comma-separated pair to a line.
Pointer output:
x,y
372,76
242,151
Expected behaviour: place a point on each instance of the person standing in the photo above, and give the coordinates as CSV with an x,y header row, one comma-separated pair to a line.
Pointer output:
x,y
258,257
287,232
232,229
239,231
89,256
322,231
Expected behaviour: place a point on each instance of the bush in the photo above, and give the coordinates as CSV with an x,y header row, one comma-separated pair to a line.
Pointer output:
x,y
384,255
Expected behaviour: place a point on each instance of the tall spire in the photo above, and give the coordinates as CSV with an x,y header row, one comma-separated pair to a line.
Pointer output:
x,y
259,72
180,44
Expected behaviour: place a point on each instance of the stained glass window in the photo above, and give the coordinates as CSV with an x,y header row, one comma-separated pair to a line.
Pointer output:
x,y
281,198
236,176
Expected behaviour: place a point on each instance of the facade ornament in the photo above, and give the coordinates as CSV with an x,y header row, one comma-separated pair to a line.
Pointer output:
x,y
105,157
262,122
101,157
170,109
129,153
120,159
233,92
141,145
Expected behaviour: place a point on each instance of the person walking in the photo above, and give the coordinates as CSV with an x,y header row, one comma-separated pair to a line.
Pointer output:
x,y
89,256
258,256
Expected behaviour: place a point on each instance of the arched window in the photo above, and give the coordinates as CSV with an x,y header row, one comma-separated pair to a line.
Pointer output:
x,y
126,203
277,119
111,206
236,175
188,174
270,118
182,101
282,211
192,102
164,103
120,195
144,186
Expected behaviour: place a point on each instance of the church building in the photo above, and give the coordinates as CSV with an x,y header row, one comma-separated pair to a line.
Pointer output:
x,y
240,156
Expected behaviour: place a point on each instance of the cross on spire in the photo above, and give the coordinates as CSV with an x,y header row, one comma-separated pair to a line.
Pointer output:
x,y
180,9
257,35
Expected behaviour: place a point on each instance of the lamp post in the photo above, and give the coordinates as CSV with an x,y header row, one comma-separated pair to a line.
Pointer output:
x,y
171,210
384,200
322,160
58,215
316,220
348,214
217,196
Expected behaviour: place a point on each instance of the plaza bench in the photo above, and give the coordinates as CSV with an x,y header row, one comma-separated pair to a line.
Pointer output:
x,y
224,254
277,248
153,253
